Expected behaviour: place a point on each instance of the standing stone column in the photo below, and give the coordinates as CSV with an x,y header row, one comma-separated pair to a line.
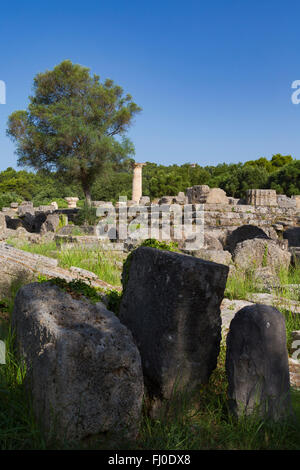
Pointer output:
x,y
137,181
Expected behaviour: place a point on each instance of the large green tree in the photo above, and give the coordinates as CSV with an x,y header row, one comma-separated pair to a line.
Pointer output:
x,y
74,125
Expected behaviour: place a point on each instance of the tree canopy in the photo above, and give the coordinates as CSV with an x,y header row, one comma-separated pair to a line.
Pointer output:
x,y
43,187
74,125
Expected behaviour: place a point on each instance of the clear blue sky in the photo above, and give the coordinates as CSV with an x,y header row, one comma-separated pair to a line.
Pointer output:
x,y
213,78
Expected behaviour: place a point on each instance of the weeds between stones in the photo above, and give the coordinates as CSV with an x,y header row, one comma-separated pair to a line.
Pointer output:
x,y
209,425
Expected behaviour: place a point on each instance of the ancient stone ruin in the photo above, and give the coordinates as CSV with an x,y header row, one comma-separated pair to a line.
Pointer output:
x,y
83,368
257,363
137,182
172,314
171,304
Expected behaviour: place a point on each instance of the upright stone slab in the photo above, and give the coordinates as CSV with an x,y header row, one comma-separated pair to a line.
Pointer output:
x,y
82,365
171,304
257,363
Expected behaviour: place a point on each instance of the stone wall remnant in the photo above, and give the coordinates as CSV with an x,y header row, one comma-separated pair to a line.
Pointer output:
x,y
261,197
197,194
285,201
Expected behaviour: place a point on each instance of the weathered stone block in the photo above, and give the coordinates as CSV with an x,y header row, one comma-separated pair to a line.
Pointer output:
x,y
260,252
171,303
72,202
217,256
285,201
197,194
261,197
216,196
245,232
25,208
144,200
257,363
83,367
51,224
297,199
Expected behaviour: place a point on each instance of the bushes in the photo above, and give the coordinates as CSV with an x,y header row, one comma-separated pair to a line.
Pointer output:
x,y
7,198
42,201
287,179
281,173
86,216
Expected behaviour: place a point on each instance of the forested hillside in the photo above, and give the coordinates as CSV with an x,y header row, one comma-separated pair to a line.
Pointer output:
x,y
280,172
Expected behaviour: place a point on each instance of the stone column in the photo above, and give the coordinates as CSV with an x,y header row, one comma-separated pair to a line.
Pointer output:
x,y
137,182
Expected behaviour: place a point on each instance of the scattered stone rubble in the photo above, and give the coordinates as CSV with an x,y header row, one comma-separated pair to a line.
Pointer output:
x,y
172,306
270,216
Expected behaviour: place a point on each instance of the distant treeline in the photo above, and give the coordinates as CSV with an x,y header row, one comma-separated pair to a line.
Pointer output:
x,y
281,173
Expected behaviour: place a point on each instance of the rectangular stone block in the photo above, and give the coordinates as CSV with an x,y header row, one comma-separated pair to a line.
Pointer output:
x,y
171,304
261,197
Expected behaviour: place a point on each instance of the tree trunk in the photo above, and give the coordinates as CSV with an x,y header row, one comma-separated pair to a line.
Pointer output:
x,y
88,197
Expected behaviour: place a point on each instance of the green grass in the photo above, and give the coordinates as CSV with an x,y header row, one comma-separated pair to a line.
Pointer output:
x,y
210,426
105,264
198,422
239,284
18,427
292,323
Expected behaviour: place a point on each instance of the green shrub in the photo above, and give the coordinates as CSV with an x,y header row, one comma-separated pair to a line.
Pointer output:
x,y
76,287
7,198
45,201
114,298
153,243
86,216
63,221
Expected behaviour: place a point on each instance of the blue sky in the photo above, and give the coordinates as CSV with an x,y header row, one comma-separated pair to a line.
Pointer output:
x,y
213,78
